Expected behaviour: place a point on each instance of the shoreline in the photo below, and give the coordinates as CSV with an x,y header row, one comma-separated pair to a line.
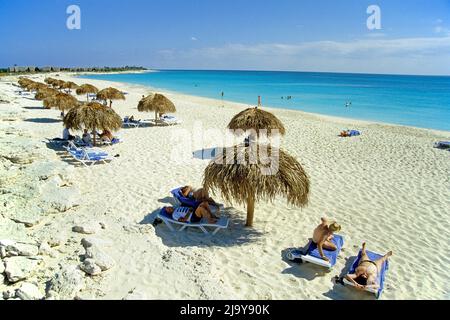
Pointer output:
x,y
269,108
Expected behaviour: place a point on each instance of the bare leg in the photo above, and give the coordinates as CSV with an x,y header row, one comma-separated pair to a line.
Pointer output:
x,y
330,246
380,262
185,190
364,255
204,213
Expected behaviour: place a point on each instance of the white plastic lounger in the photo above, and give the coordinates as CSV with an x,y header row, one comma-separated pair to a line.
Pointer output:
x,y
87,156
135,123
169,222
169,120
312,254
89,159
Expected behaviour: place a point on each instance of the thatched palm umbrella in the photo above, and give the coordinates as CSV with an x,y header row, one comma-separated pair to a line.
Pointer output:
x,y
157,103
86,89
251,181
35,86
23,82
110,94
49,80
92,116
61,101
256,119
43,93
69,85
58,84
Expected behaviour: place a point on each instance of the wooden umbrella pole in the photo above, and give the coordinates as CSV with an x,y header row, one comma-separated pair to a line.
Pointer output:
x,y
250,210
94,133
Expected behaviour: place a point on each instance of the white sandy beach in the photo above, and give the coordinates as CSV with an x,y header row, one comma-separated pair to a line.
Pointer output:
x,y
388,187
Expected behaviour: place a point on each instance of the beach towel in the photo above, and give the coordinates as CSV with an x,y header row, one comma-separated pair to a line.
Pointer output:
x,y
381,274
312,254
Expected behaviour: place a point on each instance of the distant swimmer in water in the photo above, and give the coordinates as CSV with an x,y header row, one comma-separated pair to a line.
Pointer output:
x,y
348,104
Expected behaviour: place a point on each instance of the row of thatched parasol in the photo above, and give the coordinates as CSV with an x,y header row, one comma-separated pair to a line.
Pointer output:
x,y
91,115
52,86
240,182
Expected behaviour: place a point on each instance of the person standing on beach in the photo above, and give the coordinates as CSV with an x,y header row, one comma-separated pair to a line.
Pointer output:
x,y
322,236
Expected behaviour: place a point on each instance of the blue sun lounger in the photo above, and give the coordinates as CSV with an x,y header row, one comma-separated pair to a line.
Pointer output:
x,y
381,277
312,253
222,223
442,145
184,201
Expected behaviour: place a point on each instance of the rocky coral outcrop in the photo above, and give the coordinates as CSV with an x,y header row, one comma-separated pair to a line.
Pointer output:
x,y
66,283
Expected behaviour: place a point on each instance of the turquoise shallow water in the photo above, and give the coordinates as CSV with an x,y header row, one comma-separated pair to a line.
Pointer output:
x,y
420,101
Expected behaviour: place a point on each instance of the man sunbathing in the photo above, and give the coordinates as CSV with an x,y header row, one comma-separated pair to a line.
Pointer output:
x,y
203,211
366,273
323,235
344,134
197,194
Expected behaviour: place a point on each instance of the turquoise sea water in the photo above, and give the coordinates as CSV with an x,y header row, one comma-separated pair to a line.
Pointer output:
x,y
420,101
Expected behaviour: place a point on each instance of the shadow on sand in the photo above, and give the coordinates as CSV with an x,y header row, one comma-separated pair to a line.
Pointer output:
x,y
304,270
34,108
43,120
206,154
236,234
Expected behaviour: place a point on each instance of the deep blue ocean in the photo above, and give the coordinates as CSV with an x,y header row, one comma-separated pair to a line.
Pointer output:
x,y
420,101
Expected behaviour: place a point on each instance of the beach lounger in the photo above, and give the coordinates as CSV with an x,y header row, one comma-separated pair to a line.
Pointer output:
x,y
312,255
169,120
133,123
442,145
381,276
87,156
114,141
90,158
184,201
222,223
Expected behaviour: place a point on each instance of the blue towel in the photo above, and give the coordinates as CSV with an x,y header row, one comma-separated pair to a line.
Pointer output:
x,y
382,273
332,255
354,133
184,200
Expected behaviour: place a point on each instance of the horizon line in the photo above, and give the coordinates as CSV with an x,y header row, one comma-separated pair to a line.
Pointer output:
x,y
300,71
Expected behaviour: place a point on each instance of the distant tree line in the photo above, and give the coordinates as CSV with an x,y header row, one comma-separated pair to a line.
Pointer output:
x,y
32,69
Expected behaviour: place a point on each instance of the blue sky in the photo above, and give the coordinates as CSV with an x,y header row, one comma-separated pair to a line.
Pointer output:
x,y
303,35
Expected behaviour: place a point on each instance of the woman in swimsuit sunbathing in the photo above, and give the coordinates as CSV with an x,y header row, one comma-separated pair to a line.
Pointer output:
x,y
203,211
323,235
367,270
198,195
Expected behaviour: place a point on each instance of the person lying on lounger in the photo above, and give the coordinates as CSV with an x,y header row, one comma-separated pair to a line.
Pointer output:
x,y
203,211
323,235
86,137
197,194
344,134
366,273
106,135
